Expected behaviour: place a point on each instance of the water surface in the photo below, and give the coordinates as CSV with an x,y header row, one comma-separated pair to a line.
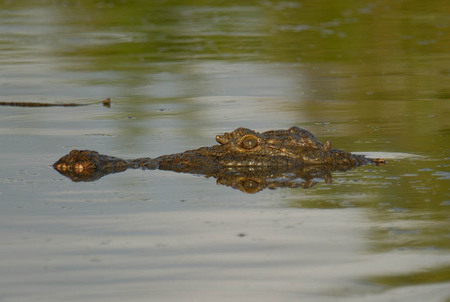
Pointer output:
x,y
370,76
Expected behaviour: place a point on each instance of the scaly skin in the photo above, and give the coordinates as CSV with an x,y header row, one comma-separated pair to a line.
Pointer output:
x,y
241,154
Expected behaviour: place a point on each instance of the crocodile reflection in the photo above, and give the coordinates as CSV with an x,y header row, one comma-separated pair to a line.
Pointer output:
x,y
244,159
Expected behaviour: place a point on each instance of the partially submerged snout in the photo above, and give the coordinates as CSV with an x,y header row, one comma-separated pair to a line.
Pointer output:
x,y
77,161
84,161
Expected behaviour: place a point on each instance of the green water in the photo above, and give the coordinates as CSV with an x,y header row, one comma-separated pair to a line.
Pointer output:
x,y
371,76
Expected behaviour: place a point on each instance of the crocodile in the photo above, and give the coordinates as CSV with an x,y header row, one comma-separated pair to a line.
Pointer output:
x,y
244,159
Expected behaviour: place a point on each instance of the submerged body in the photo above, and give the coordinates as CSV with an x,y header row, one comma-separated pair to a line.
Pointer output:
x,y
239,152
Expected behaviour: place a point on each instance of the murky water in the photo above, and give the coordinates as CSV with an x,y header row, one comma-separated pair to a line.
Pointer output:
x,y
369,76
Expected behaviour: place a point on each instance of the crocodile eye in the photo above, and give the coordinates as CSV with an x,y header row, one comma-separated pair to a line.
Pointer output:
x,y
249,142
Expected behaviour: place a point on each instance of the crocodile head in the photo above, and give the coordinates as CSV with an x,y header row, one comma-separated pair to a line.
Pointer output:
x,y
245,147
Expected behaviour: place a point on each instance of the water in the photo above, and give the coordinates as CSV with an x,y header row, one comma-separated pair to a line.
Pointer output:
x,y
370,76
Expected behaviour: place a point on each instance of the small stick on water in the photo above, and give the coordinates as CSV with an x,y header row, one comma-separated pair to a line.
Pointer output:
x,y
106,102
